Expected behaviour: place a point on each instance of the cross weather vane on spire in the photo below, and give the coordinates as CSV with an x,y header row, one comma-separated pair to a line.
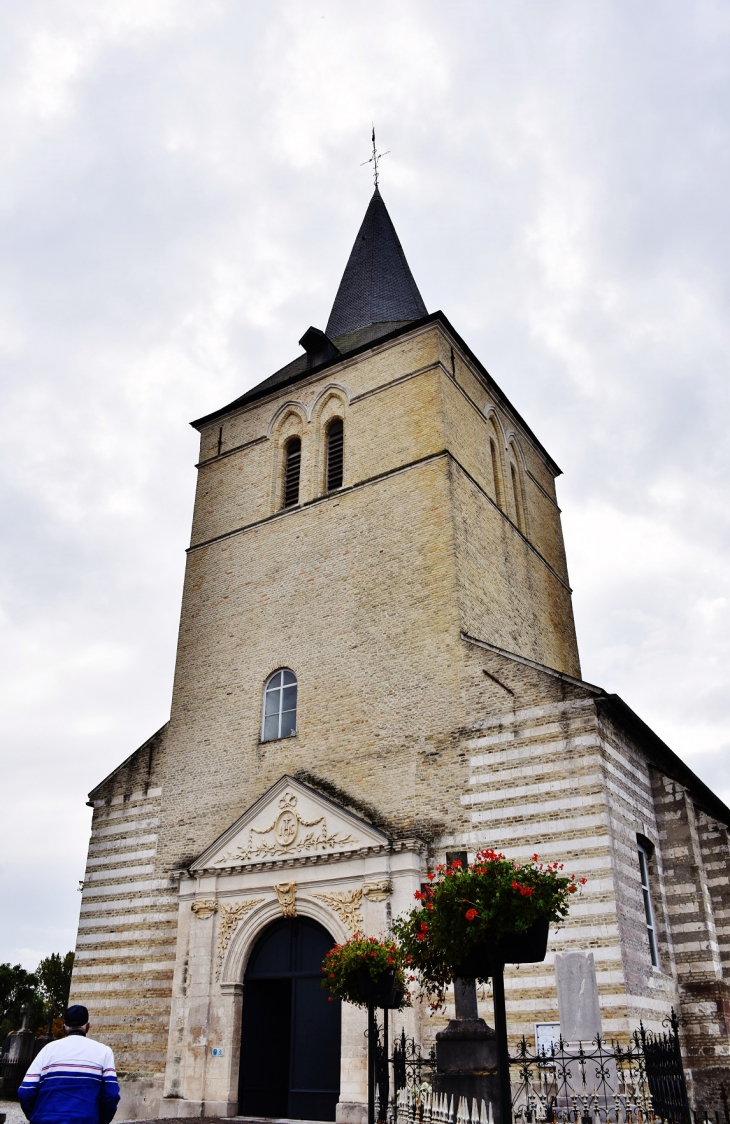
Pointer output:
x,y
376,156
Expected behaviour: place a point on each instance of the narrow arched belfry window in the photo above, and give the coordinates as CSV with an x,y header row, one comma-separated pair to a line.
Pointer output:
x,y
280,706
495,473
519,513
335,453
645,848
292,468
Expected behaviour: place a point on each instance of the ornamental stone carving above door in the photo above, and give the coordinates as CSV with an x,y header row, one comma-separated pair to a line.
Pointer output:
x,y
291,821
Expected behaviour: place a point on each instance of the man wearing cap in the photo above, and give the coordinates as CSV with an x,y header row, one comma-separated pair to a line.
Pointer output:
x,y
72,1080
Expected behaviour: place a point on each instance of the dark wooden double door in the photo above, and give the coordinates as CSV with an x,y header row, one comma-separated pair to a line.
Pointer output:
x,y
290,1037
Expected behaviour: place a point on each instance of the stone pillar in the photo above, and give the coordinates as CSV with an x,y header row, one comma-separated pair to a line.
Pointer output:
x,y
466,1053
352,1107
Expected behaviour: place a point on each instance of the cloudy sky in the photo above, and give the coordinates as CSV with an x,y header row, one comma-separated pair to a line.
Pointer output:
x,y
180,186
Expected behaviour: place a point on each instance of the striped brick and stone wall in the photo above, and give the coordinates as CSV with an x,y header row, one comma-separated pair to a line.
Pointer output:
x,y
125,949
695,850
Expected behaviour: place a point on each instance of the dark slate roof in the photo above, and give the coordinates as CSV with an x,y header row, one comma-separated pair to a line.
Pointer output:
x,y
377,296
662,757
377,286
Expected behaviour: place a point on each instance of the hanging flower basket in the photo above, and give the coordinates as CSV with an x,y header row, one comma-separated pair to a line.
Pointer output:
x,y
470,919
381,990
366,971
528,947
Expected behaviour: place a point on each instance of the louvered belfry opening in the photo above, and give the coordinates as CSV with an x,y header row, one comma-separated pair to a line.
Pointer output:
x,y
291,472
335,453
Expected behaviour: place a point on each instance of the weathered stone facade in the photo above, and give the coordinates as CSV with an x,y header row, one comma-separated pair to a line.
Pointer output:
x,y
425,609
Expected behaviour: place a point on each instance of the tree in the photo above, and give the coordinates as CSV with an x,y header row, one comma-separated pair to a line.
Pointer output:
x,y
54,981
17,987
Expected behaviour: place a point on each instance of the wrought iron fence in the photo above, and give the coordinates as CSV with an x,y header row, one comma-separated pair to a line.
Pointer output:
x,y
410,1067
664,1070
605,1082
602,1082
416,1104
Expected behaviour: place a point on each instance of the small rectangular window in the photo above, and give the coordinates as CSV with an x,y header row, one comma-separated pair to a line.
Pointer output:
x,y
457,856
648,910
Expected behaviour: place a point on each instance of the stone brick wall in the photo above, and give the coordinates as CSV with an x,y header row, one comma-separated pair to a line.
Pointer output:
x,y
426,612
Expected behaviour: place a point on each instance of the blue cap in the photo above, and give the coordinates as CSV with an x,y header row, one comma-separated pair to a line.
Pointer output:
x,y
76,1016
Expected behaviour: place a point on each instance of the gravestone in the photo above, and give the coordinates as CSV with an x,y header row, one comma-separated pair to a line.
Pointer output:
x,y
580,1013
19,1055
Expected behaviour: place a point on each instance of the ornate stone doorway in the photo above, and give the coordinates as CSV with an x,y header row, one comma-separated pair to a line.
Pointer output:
x,y
290,1033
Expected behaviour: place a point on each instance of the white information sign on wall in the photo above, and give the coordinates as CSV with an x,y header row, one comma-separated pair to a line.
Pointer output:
x,y
545,1035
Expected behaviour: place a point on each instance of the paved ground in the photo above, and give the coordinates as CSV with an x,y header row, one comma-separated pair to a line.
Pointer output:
x,y
13,1112
14,1115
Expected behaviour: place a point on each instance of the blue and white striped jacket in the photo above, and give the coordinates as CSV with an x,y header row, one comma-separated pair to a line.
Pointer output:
x,y
71,1081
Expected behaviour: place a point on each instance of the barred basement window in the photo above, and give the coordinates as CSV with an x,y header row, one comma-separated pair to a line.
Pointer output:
x,y
644,856
292,466
280,706
335,454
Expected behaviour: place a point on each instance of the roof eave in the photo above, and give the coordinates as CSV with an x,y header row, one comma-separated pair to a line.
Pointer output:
x,y
126,761
664,758
255,395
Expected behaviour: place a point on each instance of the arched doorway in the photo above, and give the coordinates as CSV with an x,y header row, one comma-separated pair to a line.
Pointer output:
x,y
290,1036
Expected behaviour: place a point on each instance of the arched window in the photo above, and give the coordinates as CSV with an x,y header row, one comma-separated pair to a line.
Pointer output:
x,y
517,494
335,453
497,475
646,851
292,466
280,706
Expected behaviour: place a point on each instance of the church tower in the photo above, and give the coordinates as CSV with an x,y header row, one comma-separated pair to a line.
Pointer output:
x,y
377,665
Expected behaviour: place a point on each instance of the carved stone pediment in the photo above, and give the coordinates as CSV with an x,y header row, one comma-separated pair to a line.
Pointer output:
x,y
291,821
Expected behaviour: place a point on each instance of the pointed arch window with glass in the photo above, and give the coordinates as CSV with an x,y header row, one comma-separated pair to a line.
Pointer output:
x,y
280,706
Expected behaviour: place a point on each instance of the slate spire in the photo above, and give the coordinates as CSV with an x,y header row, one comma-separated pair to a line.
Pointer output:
x,y
377,286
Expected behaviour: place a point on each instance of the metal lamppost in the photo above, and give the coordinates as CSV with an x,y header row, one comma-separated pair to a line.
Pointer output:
x,y
382,993
500,1031
375,1078
371,1062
